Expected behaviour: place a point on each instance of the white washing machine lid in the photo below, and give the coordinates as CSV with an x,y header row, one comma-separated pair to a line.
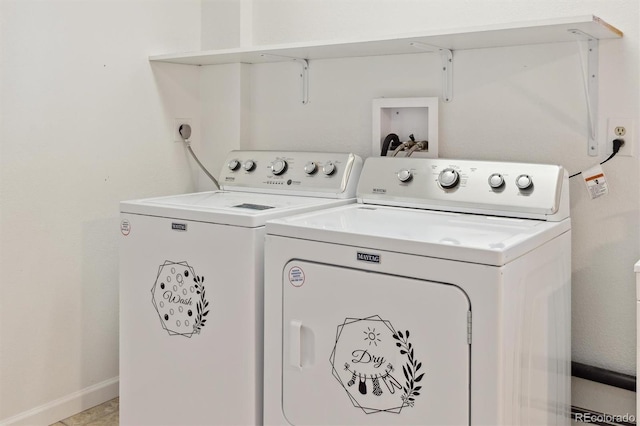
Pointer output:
x,y
228,208
488,240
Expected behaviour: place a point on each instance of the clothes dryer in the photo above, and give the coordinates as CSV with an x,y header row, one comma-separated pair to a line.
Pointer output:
x,y
191,286
441,298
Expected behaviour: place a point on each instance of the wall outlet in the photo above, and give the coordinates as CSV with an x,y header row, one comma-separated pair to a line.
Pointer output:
x,y
175,124
621,128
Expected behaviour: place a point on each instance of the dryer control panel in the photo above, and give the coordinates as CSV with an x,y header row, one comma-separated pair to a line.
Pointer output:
x,y
533,191
317,174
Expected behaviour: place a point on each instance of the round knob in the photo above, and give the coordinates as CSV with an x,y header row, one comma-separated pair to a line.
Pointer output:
x,y
448,178
404,175
496,180
278,167
310,168
524,182
233,165
329,168
249,165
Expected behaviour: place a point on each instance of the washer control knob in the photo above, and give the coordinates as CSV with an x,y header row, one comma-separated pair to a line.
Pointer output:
x,y
233,165
249,165
404,175
310,168
496,180
329,168
448,178
278,167
524,182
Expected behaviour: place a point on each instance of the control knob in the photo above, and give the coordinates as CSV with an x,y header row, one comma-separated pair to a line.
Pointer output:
x,y
404,175
278,167
496,180
524,182
448,178
233,165
249,165
310,168
329,168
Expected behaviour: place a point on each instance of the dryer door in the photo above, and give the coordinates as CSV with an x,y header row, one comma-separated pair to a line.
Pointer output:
x,y
367,348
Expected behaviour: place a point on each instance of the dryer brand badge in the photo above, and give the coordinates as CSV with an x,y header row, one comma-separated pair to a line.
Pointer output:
x,y
176,226
179,298
368,257
366,361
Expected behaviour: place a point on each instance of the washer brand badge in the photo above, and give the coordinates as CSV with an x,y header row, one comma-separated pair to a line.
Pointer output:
x,y
379,191
178,226
368,257
179,298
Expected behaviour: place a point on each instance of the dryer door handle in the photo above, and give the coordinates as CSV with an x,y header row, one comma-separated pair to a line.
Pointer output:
x,y
295,344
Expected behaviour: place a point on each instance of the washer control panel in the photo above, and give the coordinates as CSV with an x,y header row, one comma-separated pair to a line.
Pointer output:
x,y
296,173
526,190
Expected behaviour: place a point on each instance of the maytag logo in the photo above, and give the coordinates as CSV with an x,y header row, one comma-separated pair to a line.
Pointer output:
x,y
379,191
178,226
368,257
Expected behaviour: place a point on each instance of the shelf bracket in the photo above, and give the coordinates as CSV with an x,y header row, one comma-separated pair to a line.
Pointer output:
x,y
446,55
304,73
588,49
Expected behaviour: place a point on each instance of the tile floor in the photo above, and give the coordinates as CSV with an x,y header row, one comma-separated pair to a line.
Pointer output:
x,y
105,414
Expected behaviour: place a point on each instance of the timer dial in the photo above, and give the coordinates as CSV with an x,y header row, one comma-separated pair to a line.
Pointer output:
x,y
448,178
278,167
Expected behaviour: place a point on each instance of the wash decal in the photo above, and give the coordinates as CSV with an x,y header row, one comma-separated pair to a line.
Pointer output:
x,y
179,298
376,365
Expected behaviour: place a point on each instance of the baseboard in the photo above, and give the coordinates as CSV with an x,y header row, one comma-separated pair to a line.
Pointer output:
x,y
66,406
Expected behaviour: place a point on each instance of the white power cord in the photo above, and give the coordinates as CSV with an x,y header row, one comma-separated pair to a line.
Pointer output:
x,y
185,134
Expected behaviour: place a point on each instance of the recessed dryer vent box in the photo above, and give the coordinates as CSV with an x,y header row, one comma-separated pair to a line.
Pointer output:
x,y
406,116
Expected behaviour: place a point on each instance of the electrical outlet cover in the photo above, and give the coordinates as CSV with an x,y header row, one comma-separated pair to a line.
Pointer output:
x,y
175,124
615,129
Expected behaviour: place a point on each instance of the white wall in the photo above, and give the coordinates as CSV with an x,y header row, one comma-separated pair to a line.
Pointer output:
x,y
519,103
85,124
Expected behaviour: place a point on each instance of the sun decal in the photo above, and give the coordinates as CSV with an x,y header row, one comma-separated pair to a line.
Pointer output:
x,y
372,336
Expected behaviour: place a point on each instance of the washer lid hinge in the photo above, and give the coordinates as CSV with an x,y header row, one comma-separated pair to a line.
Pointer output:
x,y
469,327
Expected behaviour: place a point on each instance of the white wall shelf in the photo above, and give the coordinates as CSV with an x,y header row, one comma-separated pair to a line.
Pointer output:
x,y
588,28
512,34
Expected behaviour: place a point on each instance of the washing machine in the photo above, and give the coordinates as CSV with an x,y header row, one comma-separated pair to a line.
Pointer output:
x,y
441,298
191,286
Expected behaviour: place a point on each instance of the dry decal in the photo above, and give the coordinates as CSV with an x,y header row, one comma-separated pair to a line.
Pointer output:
x,y
179,298
376,365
